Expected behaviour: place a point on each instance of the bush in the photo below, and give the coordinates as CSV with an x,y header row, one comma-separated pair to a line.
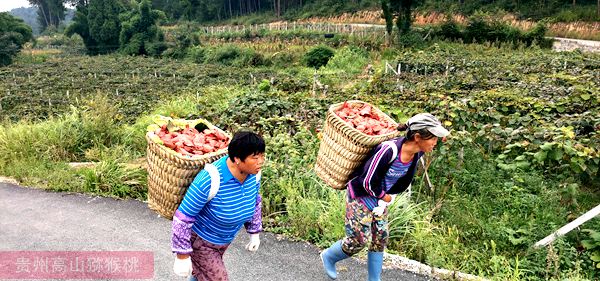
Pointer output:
x,y
318,56
224,56
450,30
14,33
235,56
183,39
249,57
537,35
350,59
283,59
477,30
481,29
197,54
411,39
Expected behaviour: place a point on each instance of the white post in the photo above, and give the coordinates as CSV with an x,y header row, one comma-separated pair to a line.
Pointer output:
x,y
426,174
388,66
568,227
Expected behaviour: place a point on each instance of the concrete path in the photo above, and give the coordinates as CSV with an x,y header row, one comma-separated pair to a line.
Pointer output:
x,y
37,220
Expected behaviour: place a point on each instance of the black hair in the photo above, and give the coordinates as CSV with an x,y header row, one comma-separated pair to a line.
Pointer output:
x,y
410,134
244,144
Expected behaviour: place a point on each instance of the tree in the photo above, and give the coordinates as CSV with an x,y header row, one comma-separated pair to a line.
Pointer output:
x,y
98,24
104,23
389,19
140,34
80,26
50,12
13,34
401,10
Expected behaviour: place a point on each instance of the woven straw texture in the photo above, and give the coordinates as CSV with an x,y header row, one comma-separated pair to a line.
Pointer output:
x,y
170,174
344,148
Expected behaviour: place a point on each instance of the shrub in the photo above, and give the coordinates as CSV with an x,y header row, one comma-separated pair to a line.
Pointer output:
x,y
224,55
318,56
14,33
197,54
283,59
232,55
411,39
350,59
450,30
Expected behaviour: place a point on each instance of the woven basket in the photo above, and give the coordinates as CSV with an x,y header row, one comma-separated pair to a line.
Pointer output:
x,y
170,173
343,148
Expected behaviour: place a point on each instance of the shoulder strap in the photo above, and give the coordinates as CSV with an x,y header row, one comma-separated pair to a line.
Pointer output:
x,y
258,177
394,150
215,180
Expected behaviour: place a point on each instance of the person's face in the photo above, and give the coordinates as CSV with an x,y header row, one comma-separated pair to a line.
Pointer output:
x,y
426,145
253,163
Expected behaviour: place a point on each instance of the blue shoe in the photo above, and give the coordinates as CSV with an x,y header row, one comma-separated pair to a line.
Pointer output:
x,y
331,256
375,264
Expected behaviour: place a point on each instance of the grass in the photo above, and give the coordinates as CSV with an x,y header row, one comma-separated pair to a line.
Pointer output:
x,y
479,219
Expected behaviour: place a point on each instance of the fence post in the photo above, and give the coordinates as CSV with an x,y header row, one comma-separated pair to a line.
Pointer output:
x,y
568,227
388,66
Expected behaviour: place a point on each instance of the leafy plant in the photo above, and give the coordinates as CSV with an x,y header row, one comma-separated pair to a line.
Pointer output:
x,y
592,244
318,56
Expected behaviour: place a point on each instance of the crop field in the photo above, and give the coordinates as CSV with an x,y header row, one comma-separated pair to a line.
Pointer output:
x,y
523,158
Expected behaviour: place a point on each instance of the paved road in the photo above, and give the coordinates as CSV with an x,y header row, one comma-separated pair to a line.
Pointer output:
x,y
32,219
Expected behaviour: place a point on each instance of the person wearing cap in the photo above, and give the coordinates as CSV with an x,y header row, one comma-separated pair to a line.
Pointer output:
x,y
388,171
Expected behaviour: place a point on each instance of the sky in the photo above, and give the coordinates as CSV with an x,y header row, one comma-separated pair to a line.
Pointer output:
x,y
7,5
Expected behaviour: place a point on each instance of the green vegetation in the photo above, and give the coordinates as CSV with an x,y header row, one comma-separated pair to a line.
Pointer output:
x,y
401,10
13,34
99,25
522,161
318,56
140,34
485,29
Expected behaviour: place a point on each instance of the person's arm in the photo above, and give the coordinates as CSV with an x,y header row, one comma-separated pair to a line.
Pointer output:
x,y
254,225
194,200
376,169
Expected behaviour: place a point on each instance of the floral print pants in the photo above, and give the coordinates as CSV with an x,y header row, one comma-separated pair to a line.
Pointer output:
x,y
361,224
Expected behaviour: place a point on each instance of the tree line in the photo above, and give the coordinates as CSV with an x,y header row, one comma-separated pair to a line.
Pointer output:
x,y
52,12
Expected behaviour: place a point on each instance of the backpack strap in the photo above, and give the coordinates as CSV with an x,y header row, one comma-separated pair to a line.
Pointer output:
x,y
215,180
392,144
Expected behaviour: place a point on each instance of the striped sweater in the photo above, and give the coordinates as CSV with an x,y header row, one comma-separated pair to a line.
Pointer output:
x,y
217,221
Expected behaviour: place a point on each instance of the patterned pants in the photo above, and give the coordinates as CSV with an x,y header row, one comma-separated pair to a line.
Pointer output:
x,y
362,223
207,260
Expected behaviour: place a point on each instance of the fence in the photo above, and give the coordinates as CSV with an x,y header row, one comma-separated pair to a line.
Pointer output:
x,y
351,29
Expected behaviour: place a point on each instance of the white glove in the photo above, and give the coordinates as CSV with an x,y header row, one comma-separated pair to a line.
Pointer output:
x,y
183,267
381,205
252,246
378,211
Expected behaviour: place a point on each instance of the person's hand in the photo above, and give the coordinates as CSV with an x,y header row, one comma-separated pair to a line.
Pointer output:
x,y
382,204
252,246
378,211
386,198
183,266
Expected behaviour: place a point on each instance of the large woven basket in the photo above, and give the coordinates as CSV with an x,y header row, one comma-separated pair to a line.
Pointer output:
x,y
170,173
343,148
